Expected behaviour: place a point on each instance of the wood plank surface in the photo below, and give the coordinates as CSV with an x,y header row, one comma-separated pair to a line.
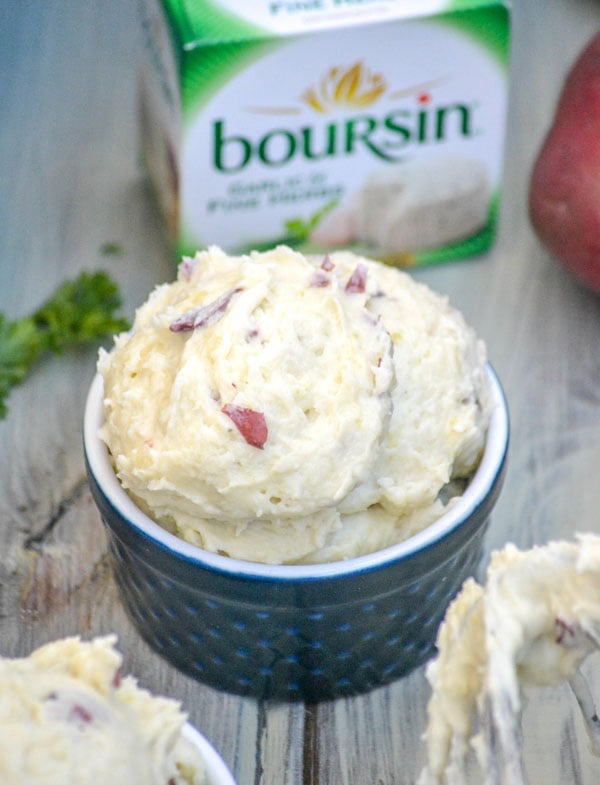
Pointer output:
x,y
72,194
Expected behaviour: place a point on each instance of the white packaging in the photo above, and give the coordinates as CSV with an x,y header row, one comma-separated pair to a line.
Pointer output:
x,y
376,126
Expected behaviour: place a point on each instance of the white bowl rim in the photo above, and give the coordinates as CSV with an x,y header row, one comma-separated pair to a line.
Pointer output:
x,y
217,772
491,463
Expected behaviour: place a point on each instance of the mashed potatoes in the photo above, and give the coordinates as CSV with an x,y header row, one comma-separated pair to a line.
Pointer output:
x,y
67,716
285,409
533,622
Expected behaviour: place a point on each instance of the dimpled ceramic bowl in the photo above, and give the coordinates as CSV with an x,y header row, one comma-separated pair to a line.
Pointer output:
x,y
306,632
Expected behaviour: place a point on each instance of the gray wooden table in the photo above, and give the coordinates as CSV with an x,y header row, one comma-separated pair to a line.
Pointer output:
x,y
72,192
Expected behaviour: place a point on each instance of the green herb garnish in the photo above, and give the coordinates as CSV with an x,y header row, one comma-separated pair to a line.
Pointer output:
x,y
111,249
79,312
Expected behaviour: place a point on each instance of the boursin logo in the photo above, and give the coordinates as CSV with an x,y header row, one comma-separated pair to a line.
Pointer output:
x,y
345,88
350,96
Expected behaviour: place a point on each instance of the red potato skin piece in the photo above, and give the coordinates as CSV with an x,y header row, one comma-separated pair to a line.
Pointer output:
x,y
251,424
358,280
564,191
79,714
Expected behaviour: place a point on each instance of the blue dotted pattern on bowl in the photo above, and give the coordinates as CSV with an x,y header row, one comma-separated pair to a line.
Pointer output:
x,y
302,639
313,653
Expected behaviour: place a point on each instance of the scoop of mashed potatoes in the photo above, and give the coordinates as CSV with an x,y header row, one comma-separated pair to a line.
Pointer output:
x,y
284,409
67,716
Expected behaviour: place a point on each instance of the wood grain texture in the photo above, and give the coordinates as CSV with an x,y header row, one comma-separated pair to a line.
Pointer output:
x,y
71,185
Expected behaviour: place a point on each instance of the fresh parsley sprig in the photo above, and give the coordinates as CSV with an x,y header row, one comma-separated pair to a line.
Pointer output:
x,y
81,311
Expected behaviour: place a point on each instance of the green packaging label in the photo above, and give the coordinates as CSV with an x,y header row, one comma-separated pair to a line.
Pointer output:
x,y
383,137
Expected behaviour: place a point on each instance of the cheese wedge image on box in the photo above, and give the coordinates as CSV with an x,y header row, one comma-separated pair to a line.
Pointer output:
x,y
373,126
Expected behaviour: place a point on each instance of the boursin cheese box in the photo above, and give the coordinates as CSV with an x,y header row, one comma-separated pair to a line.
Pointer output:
x,y
372,125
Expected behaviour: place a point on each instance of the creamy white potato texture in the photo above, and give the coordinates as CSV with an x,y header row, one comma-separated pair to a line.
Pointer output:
x,y
532,623
67,716
285,409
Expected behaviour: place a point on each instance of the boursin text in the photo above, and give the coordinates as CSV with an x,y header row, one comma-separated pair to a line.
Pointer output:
x,y
386,137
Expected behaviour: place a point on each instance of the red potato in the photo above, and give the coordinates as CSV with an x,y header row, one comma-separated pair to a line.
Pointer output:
x,y
564,193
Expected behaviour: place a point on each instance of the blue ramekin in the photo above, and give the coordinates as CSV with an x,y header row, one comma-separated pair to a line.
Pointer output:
x,y
305,632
